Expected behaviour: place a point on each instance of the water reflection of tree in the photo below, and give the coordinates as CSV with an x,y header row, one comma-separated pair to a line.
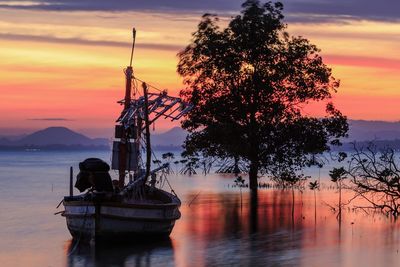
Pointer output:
x,y
135,253
216,219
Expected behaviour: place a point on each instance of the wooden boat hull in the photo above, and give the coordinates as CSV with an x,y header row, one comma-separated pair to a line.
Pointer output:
x,y
89,220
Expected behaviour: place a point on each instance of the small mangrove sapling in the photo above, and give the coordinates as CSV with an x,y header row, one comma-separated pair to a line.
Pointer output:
x,y
338,175
314,186
239,182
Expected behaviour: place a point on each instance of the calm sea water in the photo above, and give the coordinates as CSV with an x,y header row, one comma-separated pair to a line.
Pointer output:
x,y
216,229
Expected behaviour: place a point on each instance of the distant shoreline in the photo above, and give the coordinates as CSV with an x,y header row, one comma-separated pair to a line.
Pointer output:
x,y
346,147
55,148
75,148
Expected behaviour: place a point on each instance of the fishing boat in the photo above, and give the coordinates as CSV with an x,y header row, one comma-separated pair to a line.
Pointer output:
x,y
135,205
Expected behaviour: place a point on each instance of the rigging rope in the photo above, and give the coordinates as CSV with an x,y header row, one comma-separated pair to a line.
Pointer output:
x,y
159,165
148,85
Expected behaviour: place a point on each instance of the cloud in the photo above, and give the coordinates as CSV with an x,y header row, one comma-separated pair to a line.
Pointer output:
x,y
364,62
49,119
341,10
81,41
124,5
295,10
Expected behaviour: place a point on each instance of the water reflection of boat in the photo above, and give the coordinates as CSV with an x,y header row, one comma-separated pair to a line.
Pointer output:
x,y
113,209
121,254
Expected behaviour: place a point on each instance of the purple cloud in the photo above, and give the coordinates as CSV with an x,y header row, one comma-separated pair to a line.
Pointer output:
x,y
295,10
81,41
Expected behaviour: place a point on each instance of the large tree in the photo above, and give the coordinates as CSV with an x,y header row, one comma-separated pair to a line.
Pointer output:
x,y
249,83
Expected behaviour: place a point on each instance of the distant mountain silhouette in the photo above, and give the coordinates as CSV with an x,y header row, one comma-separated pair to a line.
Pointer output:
x,y
361,130
55,138
171,138
379,144
387,133
64,138
59,136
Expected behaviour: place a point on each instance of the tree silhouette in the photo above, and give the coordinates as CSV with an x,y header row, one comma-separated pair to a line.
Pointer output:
x,y
206,164
338,175
239,182
190,163
249,83
314,186
231,165
168,156
176,163
375,178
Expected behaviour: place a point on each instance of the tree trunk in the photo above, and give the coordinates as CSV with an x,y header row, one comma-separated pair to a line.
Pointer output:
x,y
253,176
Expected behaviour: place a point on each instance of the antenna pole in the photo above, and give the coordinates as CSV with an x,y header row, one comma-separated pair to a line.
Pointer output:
x,y
147,134
133,45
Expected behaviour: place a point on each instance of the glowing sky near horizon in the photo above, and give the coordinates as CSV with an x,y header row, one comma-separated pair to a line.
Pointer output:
x,y
64,67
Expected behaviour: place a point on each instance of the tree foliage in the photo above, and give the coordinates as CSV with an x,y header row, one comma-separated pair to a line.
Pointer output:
x,y
314,185
249,83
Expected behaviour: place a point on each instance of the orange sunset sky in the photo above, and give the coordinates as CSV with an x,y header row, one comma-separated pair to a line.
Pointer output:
x,y
61,62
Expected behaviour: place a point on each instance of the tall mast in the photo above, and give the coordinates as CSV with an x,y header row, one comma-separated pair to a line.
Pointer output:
x,y
135,120
128,75
125,135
